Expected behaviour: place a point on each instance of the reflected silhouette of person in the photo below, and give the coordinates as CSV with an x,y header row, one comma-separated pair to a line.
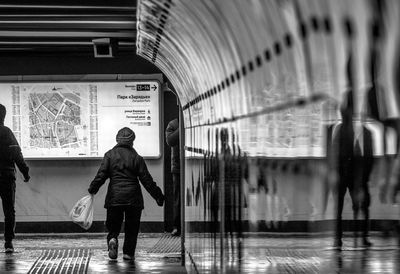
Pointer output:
x,y
353,160
352,149
172,138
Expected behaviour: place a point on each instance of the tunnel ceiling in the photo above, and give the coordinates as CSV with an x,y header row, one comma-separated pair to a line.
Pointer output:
x,y
65,26
231,60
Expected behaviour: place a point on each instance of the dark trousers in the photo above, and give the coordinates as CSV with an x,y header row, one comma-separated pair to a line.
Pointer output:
x,y
176,186
7,194
360,200
115,217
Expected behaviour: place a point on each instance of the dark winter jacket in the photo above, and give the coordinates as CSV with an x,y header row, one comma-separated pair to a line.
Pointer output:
x,y
172,136
10,154
124,167
352,168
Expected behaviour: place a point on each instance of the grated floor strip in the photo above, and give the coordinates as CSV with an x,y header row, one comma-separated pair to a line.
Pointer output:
x,y
62,261
167,244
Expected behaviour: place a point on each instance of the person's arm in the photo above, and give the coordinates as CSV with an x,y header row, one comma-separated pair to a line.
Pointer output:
x,y
393,180
369,152
101,176
172,133
17,157
383,167
333,156
147,181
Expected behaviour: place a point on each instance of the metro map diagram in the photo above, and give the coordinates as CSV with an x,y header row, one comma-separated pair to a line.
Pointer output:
x,y
55,120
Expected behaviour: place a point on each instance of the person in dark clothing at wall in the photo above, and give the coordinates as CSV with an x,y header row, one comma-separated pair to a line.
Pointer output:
x,y
125,168
353,161
10,154
172,136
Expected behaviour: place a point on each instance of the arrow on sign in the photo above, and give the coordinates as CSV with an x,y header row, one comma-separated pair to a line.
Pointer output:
x,y
154,87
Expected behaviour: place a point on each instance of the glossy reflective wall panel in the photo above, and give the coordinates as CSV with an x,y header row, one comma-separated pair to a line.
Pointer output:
x,y
263,86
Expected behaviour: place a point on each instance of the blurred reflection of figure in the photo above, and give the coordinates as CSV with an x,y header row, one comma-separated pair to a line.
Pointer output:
x,y
172,136
353,159
329,175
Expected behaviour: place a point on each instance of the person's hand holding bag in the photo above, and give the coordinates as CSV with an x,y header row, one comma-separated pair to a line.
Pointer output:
x,y
27,178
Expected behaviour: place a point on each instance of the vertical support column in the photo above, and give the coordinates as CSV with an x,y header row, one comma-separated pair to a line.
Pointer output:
x,y
182,178
221,205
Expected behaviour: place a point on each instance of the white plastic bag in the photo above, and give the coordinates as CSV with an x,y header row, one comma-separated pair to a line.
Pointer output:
x,y
82,212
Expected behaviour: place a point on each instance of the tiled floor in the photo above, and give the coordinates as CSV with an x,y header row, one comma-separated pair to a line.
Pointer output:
x,y
29,249
259,254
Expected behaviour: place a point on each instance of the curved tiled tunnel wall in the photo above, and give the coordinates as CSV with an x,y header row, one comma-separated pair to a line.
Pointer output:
x,y
259,83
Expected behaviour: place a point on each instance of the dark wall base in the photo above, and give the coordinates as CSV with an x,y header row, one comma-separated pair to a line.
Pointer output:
x,y
293,226
209,227
69,227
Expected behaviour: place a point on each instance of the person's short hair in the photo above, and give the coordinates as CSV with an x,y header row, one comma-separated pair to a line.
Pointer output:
x,y
3,112
125,136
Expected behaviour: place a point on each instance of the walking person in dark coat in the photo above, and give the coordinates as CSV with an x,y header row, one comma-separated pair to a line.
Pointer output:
x,y
10,154
172,136
125,168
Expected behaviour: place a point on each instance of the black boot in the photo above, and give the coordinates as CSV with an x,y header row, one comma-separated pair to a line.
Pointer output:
x,y
9,247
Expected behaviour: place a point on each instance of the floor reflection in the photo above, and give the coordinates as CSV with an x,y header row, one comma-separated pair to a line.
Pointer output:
x,y
261,254
9,263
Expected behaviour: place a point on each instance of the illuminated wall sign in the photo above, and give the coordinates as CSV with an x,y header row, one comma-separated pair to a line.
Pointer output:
x,y
81,119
